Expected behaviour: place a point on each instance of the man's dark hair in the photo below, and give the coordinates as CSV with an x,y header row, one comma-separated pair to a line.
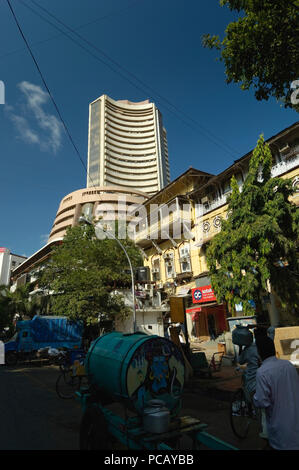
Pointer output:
x,y
265,347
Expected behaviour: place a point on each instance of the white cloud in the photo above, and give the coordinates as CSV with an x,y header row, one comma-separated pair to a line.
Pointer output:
x,y
24,130
34,125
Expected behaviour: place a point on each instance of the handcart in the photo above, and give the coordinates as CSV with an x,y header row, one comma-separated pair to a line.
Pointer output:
x,y
144,376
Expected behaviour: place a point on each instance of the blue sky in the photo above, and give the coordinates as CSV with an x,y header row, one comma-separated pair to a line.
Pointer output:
x,y
159,42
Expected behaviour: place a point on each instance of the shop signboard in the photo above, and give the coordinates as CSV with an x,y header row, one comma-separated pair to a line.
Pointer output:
x,y
203,294
193,310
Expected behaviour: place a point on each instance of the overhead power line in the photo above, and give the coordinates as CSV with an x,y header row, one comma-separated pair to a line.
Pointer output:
x,y
46,86
83,25
175,110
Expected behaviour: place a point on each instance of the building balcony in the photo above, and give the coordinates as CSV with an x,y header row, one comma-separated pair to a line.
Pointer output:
x,y
170,220
184,275
290,162
214,204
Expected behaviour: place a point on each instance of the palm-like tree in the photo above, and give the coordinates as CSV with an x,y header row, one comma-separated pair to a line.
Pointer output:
x,y
18,301
14,304
17,305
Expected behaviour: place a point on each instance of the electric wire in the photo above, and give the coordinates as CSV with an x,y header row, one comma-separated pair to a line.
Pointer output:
x,y
131,74
210,136
79,44
47,88
83,25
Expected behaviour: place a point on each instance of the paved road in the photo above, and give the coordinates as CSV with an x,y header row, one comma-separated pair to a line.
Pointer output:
x,y
34,418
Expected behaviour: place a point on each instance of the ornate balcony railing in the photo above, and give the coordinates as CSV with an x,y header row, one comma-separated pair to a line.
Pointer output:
x,y
286,165
220,201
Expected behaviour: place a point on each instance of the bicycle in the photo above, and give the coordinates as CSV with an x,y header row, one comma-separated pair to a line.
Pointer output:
x,y
243,412
72,376
68,383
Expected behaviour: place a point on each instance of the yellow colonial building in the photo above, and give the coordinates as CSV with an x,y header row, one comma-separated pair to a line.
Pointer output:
x,y
179,220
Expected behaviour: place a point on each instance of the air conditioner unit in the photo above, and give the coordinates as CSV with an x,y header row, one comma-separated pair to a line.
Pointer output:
x,y
155,270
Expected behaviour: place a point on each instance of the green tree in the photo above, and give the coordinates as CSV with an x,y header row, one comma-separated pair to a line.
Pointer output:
x,y
82,273
14,304
17,300
38,304
260,49
258,241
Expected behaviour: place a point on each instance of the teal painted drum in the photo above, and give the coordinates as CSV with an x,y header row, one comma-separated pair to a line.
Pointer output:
x,y
138,368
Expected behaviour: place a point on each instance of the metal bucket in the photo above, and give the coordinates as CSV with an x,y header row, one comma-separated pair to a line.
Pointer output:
x,y
156,417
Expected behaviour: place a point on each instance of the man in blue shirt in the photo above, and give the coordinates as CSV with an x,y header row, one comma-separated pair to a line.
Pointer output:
x,y
277,390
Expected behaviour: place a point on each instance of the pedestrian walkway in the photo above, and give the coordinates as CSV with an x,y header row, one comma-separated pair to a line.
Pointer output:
x,y
209,347
221,383
226,380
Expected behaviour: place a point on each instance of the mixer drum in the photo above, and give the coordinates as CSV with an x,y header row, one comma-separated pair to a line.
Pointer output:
x,y
138,368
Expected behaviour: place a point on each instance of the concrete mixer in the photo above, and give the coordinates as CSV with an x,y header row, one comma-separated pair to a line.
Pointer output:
x,y
144,376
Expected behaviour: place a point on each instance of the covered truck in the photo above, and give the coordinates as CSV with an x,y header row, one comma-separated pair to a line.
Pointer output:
x,y
42,332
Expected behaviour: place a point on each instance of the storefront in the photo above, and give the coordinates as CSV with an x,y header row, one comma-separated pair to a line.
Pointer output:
x,y
207,316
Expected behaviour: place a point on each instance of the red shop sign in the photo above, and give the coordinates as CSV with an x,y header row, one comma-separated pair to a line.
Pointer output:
x,y
203,294
193,310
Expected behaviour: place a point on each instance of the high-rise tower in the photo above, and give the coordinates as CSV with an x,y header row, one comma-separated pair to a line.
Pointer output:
x,y
127,145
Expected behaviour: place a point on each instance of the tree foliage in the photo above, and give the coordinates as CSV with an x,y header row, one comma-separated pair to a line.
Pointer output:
x,y
82,273
258,241
17,305
260,49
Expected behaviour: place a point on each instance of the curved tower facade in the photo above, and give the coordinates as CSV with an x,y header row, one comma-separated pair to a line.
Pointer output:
x,y
87,201
127,145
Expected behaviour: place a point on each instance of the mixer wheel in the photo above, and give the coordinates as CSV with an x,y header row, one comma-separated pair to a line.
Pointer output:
x,y
93,430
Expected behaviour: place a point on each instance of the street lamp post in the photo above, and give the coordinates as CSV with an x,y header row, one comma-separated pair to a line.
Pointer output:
x,y
110,235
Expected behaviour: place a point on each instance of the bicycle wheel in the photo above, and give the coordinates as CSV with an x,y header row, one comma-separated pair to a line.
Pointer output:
x,y
67,384
240,414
